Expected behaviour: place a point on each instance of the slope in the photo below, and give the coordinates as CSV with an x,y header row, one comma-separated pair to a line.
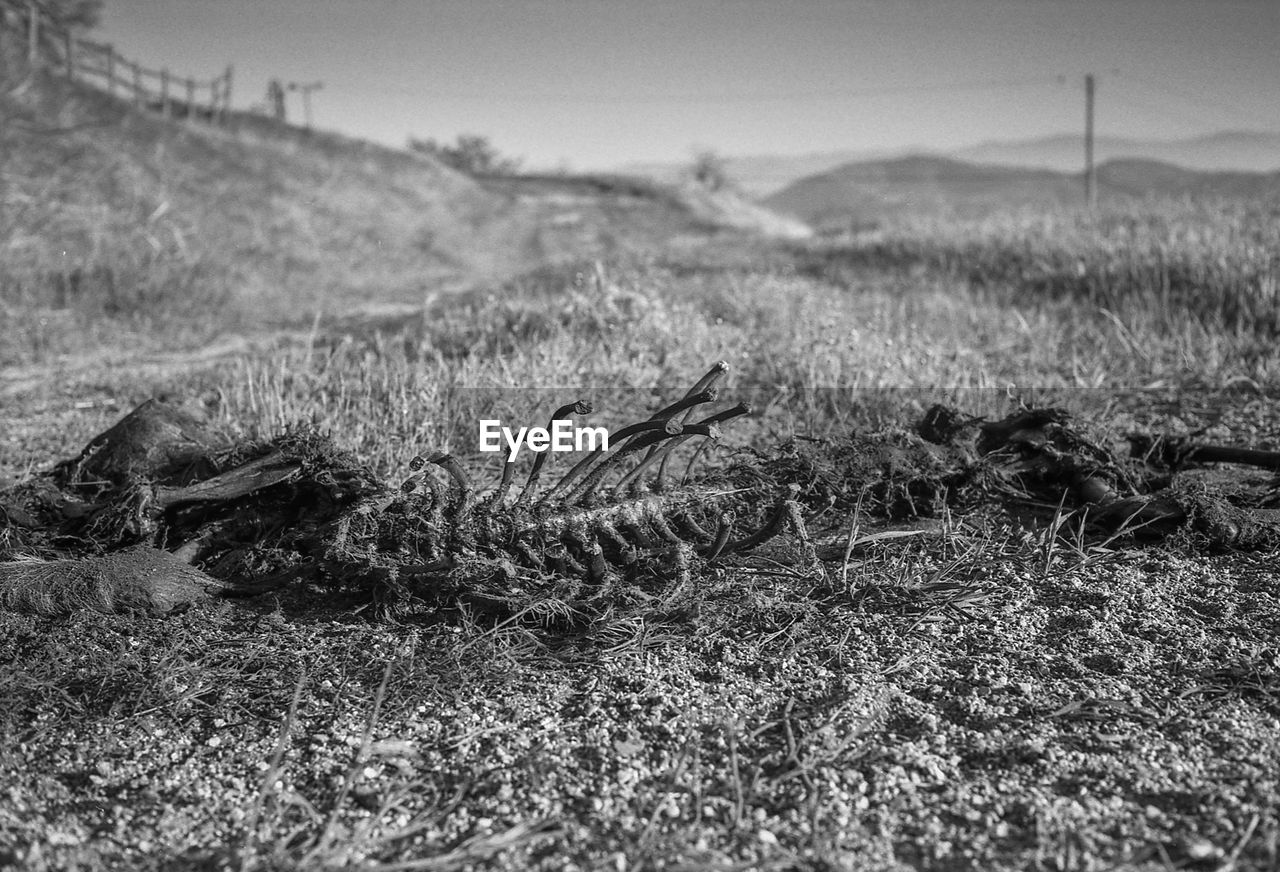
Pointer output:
x,y
111,212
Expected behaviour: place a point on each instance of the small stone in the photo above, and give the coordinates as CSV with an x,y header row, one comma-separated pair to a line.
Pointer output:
x,y
1202,851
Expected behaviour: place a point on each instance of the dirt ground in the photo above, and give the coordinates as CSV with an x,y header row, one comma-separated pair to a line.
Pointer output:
x,y
978,696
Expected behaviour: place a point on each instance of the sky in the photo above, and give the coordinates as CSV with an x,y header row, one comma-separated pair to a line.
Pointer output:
x,y
595,84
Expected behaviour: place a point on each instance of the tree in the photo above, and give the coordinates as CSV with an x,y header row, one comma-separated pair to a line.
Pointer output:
x,y
709,170
470,153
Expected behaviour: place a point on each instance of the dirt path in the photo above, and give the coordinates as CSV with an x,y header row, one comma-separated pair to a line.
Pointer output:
x,y
17,383
47,410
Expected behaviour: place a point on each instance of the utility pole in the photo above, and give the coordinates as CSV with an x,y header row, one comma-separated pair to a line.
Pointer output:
x,y
306,90
1090,174
275,100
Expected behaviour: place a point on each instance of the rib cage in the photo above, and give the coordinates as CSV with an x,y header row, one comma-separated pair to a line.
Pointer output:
x,y
606,525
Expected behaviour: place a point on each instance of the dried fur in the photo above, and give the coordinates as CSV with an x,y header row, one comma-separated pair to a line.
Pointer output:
x,y
136,580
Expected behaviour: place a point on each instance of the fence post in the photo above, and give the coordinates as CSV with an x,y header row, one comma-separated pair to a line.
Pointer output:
x,y
164,92
111,70
191,100
213,101
33,33
226,96
69,49
137,85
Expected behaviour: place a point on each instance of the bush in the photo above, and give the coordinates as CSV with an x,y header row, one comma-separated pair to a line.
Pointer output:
x,y
709,170
472,154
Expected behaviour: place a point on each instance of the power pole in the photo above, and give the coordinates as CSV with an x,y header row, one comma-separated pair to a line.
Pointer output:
x,y
275,100
306,90
1090,173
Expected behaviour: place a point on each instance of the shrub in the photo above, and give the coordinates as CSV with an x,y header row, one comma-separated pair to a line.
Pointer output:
x,y
709,170
470,153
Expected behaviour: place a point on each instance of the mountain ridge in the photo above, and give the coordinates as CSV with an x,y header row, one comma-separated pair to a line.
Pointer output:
x,y
762,175
867,193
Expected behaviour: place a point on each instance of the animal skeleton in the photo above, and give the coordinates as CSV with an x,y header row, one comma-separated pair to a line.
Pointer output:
x,y
616,528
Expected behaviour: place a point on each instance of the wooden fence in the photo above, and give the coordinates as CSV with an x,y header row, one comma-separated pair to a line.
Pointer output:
x,y
101,65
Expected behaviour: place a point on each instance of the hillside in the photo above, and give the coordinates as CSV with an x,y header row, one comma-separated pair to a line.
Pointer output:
x,y
874,191
865,194
1150,178
1237,151
109,210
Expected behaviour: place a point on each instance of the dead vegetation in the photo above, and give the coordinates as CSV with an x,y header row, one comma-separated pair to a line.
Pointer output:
x,y
615,532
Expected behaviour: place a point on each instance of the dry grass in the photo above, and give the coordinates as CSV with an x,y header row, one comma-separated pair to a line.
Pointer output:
x,y
813,357
1162,263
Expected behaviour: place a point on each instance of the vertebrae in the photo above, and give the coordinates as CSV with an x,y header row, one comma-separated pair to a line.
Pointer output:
x,y
616,517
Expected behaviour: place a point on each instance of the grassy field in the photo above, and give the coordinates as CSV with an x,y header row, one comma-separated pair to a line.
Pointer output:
x,y
988,695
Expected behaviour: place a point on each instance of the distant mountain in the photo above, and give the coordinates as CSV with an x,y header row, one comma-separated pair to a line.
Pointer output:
x,y
1243,151
872,191
1151,178
867,193
759,175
